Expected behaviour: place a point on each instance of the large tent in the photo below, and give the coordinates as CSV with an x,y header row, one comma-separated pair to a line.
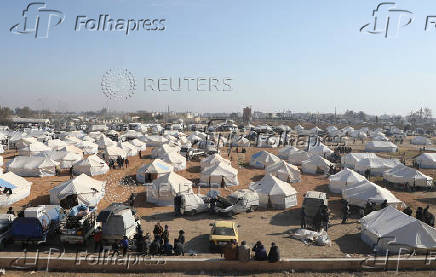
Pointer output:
x,y
380,146
320,149
91,166
163,150
33,149
34,166
316,165
20,188
274,193
140,145
79,190
65,159
129,148
376,166
358,194
420,141
215,174
212,160
166,187
284,171
426,160
344,178
72,149
391,230
351,159
402,174
56,144
104,142
174,159
154,141
297,157
285,152
263,159
114,152
153,170
88,147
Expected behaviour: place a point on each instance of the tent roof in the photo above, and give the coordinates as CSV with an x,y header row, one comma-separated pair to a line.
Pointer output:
x,y
271,185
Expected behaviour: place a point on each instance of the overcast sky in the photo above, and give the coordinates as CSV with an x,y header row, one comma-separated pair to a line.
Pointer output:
x,y
298,55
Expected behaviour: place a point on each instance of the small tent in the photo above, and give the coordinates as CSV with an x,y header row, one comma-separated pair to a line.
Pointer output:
x,y
34,166
91,166
284,171
344,178
380,146
285,152
263,159
214,175
420,141
274,193
376,166
129,148
79,190
153,170
88,147
297,157
20,188
65,159
403,175
114,152
212,160
140,145
174,159
163,150
166,187
360,193
316,165
351,159
321,150
391,230
426,160
33,149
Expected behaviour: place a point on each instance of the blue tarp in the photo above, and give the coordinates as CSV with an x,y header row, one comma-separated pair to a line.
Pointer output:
x,y
27,228
6,184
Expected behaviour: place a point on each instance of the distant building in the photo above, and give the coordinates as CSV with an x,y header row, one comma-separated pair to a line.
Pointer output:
x,y
246,115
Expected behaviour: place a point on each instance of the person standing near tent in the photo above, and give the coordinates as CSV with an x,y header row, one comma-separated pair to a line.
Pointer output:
x,y
419,214
140,154
345,212
178,205
10,211
325,216
98,240
71,172
384,204
166,234
181,237
303,218
125,245
408,211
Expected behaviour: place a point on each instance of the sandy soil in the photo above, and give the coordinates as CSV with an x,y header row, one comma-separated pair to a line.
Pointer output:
x,y
267,226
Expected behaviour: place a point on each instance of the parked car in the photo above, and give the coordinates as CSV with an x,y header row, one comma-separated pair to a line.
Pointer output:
x,y
193,203
221,233
243,200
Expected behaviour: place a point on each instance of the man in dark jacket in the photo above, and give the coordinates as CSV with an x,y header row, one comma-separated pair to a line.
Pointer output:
x,y
345,212
260,252
274,253
178,248
408,211
419,214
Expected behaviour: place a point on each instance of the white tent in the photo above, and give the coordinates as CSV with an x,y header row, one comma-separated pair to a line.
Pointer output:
x,y
358,194
390,229
21,190
402,174
351,159
321,150
316,165
104,142
212,160
129,148
274,193
88,147
33,166
241,142
358,134
426,160
71,140
297,157
1,161
174,159
56,144
2,150
88,138
420,141
376,166
166,187
33,149
214,175
113,152
285,152
284,171
344,178
163,150
21,140
140,146
380,146
91,166
263,159
65,159
88,190
152,170
72,149
154,141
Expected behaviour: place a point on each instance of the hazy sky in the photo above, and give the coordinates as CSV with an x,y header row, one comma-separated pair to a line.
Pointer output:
x,y
298,55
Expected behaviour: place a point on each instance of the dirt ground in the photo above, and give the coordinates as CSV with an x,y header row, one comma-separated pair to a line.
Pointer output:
x,y
267,226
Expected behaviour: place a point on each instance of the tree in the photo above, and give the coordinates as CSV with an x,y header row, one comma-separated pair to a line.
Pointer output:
x,y
24,112
428,113
5,116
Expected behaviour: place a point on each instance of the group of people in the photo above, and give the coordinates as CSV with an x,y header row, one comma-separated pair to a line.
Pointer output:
x,y
343,149
161,242
120,162
231,251
425,216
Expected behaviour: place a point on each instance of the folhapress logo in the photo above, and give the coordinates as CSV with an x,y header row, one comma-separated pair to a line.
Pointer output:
x,y
38,20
